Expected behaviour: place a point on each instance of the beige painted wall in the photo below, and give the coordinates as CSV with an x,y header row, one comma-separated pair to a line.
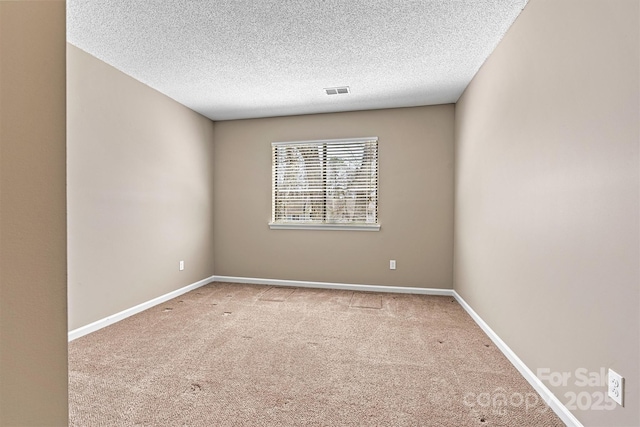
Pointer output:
x,y
547,186
415,206
33,299
139,191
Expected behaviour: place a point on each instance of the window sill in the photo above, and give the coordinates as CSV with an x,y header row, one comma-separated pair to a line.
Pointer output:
x,y
326,227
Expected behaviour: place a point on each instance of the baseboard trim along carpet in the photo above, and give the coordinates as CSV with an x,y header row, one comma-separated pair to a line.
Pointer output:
x,y
554,403
328,285
561,411
109,320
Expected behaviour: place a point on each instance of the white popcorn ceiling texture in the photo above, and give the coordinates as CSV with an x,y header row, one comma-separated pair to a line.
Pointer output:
x,y
260,58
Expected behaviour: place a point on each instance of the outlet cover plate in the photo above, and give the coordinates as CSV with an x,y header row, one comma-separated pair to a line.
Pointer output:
x,y
616,387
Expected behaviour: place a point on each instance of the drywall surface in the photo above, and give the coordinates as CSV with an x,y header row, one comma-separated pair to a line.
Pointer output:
x,y
33,281
547,188
139,191
415,201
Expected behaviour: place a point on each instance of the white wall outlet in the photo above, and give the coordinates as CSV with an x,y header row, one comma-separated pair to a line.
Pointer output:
x,y
616,387
392,264
181,265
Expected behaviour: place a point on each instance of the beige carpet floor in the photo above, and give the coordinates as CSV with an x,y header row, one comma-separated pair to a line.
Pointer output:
x,y
251,355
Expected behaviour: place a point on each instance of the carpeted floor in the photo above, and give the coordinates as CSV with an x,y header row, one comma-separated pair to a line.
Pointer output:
x,y
251,355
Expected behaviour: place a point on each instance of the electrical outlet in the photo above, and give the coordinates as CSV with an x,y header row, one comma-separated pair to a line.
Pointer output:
x,y
392,264
181,265
616,387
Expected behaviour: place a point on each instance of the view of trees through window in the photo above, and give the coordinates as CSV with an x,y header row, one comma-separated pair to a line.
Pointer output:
x,y
332,182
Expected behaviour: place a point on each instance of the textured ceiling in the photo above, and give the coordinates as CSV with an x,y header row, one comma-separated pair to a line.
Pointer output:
x,y
258,58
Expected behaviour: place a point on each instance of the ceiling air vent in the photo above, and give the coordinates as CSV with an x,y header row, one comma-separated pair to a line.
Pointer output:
x,y
336,90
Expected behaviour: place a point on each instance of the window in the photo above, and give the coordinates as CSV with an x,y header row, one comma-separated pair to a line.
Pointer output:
x,y
328,184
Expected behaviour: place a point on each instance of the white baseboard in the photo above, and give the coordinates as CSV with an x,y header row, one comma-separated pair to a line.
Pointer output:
x,y
328,285
565,415
109,320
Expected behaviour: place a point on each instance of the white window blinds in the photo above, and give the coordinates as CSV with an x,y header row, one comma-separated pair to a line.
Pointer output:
x,y
326,183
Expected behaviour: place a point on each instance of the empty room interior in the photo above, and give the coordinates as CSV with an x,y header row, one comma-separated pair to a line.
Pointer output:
x,y
142,144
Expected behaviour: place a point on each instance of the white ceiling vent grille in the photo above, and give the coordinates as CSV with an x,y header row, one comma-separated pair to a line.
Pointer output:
x,y
336,90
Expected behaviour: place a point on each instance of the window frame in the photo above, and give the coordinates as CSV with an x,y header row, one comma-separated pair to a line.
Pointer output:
x,y
293,225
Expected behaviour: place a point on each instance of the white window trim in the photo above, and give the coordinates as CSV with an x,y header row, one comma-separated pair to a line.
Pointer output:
x,y
326,141
333,227
321,226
